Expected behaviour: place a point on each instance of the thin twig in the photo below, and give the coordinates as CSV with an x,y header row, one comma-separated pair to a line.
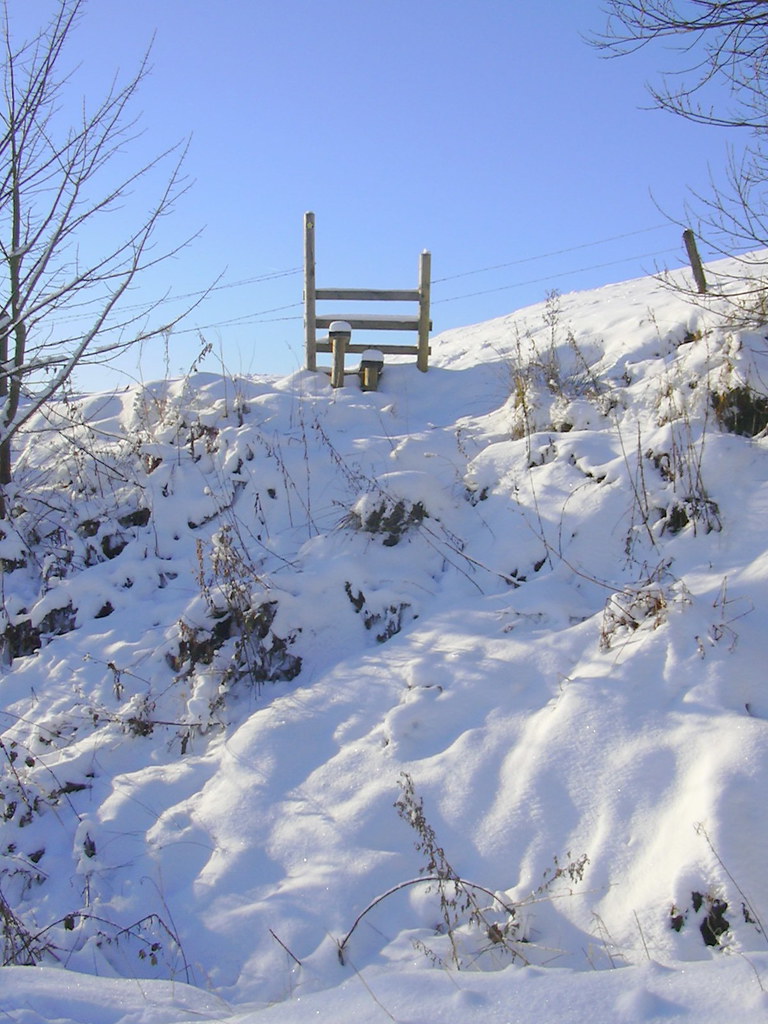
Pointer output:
x,y
372,994
415,881
640,929
280,942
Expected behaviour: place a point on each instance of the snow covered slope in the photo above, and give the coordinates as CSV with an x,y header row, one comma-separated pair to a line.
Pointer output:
x,y
273,650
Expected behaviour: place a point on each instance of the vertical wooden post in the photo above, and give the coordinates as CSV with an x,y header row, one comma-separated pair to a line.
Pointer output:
x,y
310,326
371,365
695,260
425,274
339,332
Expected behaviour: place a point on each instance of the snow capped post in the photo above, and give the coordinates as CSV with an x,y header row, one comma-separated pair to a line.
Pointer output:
x,y
339,333
371,365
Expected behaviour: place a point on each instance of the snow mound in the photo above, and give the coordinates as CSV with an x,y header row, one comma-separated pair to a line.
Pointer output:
x,y
311,697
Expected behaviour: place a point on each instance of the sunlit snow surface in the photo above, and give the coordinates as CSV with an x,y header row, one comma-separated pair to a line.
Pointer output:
x,y
533,579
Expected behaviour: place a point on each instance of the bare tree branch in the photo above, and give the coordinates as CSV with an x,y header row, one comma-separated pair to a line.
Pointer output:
x,y
719,78
57,179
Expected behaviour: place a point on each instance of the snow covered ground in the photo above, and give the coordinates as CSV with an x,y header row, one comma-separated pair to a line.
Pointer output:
x,y
446,702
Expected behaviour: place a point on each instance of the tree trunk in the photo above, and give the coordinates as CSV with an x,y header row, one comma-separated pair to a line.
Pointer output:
x,y
5,461
5,468
10,384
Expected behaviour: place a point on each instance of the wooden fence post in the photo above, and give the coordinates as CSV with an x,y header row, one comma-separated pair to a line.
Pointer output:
x,y
310,325
695,260
371,365
339,332
425,273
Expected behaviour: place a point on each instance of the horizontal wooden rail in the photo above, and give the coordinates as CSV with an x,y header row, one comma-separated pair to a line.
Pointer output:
x,y
369,294
372,322
387,350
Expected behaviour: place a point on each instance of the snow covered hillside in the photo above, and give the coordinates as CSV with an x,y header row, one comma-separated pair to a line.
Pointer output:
x,y
271,651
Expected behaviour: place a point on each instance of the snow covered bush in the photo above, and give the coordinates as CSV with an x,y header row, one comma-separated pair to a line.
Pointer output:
x,y
741,410
387,517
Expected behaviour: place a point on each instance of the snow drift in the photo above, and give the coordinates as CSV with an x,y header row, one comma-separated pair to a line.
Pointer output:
x,y
519,597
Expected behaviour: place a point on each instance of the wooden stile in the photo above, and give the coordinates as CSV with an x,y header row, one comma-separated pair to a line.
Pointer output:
x,y
417,322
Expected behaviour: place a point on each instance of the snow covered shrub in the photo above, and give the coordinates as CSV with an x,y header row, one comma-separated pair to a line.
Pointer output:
x,y
692,510
677,454
628,610
260,655
741,410
709,913
679,466
227,632
387,517
386,621
138,716
13,551
257,653
48,541
643,606
150,941
231,582
40,806
23,635
21,947
28,789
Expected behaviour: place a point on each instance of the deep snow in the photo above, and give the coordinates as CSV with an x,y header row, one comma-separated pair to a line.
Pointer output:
x,y
532,580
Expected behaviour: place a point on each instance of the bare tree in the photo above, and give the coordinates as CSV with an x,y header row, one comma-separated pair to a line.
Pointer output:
x,y
719,78
724,77
59,176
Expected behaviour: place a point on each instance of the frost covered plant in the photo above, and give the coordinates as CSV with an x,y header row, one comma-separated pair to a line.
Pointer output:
x,y
629,609
529,376
473,919
550,364
20,946
679,465
641,606
230,580
546,377
455,897
233,638
463,904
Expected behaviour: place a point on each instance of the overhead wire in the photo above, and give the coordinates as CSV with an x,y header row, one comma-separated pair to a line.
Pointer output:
x,y
254,318
245,320
261,316
548,255
273,276
203,292
557,274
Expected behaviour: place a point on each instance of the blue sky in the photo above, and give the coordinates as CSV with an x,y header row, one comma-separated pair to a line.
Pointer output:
x,y
487,131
